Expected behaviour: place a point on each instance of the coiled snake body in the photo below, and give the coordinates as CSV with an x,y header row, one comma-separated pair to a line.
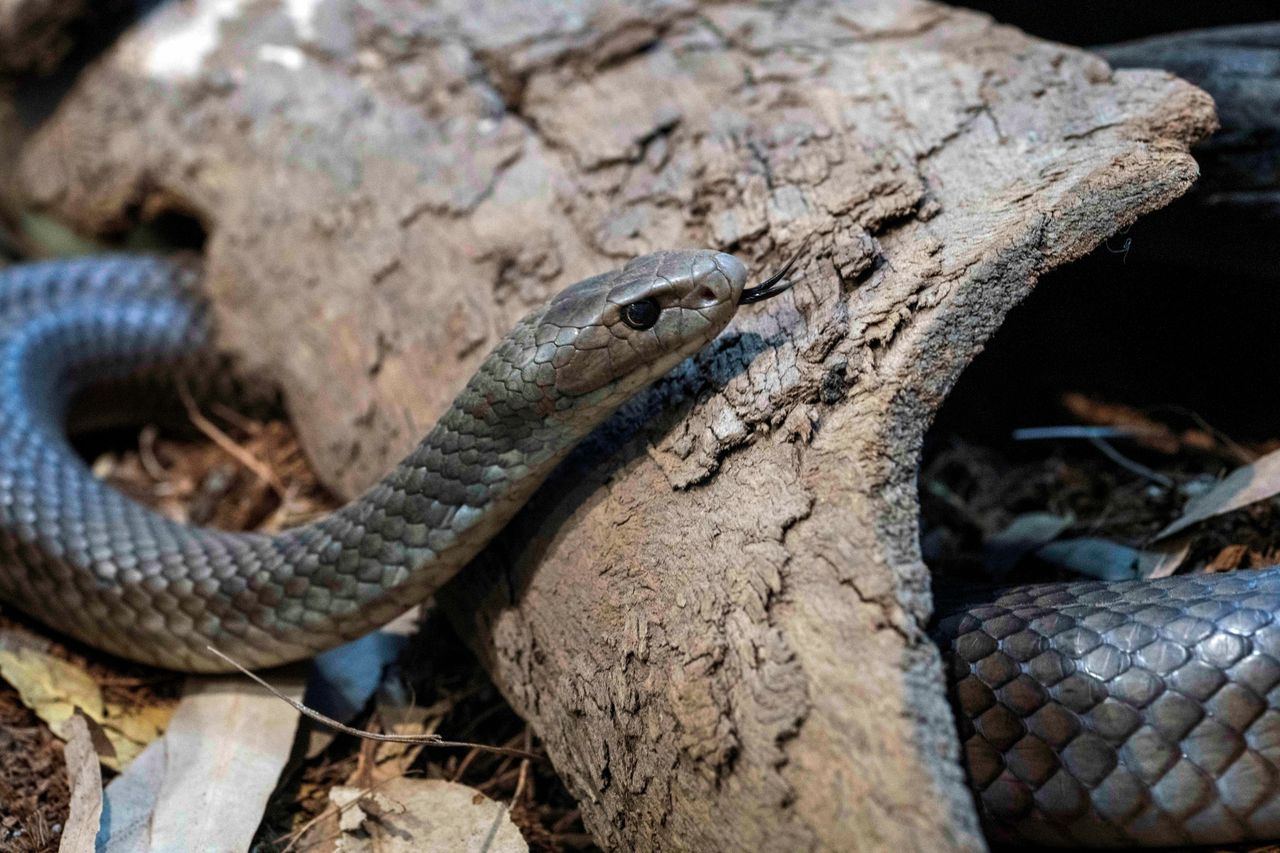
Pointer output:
x,y
87,560
1090,713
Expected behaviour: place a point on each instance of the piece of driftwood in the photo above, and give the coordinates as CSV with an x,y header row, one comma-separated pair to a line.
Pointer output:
x,y
1227,224
714,615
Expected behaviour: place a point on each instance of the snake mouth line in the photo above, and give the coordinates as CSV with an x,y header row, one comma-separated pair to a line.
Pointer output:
x,y
774,284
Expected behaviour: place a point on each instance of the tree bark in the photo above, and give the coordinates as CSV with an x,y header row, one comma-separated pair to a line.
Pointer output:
x,y
714,615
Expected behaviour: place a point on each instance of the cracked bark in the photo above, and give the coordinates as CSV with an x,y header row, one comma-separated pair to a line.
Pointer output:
x,y
714,613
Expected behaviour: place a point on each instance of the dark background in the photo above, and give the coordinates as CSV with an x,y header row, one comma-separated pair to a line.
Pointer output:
x,y
1091,22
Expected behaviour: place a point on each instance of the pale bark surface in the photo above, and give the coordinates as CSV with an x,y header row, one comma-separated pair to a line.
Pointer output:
x,y
715,615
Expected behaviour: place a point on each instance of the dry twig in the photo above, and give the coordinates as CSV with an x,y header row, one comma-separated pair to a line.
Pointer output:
x,y
220,438
426,740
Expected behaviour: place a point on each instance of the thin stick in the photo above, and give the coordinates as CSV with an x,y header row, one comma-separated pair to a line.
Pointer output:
x,y
524,770
227,443
1073,431
1125,462
227,413
427,740
508,775
466,763
147,454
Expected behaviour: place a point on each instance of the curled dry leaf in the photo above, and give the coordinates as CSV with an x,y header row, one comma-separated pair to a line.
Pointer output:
x,y
1245,485
85,779
1169,556
205,784
54,688
225,749
1228,559
404,815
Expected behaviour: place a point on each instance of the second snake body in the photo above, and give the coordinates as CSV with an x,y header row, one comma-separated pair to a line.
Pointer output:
x,y
1120,714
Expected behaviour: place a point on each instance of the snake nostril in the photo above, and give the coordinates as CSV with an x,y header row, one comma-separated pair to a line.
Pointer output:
x,y
707,296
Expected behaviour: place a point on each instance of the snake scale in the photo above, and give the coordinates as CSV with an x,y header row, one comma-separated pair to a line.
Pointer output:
x,y
1090,713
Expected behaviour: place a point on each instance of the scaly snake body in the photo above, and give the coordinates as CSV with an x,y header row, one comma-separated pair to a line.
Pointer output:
x,y
82,557
1116,714
1090,713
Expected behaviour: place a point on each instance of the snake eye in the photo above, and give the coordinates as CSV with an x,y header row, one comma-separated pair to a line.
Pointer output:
x,y
641,315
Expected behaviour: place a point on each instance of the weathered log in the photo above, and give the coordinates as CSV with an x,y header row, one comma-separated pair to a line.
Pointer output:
x,y
714,615
1227,224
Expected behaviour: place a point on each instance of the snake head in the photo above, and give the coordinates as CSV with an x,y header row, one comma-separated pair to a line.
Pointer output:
x,y
616,332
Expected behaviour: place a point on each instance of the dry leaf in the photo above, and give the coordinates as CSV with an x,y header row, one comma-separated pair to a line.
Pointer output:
x,y
393,759
1095,558
131,800
224,750
405,815
51,687
1243,486
131,728
1228,559
1025,534
54,688
356,805
1167,558
85,780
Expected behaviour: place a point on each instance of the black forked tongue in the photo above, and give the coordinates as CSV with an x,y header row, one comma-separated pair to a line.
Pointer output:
x,y
774,284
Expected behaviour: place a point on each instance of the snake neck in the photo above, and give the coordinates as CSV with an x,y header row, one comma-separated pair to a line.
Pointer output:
x,y
89,560
415,528
117,574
